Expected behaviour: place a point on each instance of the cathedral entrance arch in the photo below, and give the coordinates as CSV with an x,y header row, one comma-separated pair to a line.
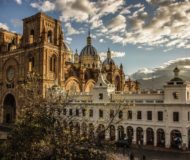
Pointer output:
x,y
9,109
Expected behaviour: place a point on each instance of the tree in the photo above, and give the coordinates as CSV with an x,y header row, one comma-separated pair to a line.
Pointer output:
x,y
40,131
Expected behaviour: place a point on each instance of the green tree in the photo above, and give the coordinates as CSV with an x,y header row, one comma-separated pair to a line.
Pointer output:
x,y
39,132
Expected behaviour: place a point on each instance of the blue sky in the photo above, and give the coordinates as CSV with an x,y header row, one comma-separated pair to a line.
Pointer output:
x,y
140,33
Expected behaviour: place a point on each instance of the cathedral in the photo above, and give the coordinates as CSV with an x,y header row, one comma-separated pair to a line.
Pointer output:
x,y
43,50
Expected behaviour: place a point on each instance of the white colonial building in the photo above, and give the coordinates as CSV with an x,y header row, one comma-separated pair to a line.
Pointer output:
x,y
158,118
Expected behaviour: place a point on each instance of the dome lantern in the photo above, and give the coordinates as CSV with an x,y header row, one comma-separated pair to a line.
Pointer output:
x,y
109,53
89,50
89,39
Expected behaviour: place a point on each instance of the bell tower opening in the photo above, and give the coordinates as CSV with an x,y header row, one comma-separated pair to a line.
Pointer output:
x,y
9,109
31,36
49,37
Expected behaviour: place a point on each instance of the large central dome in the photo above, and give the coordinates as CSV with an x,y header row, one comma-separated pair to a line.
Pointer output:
x,y
89,50
89,57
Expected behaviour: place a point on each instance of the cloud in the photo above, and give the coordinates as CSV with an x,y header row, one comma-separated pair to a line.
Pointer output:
x,y
75,10
16,22
118,23
114,54
109,6
159,76
18,2
45,6
80,10
4,26
69,40
101,40
168,28
70,29
163,23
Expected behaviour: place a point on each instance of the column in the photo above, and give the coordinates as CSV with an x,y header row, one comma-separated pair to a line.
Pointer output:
x,y
134,136
155,139
116,134
144,137
184,142
107,135
167,140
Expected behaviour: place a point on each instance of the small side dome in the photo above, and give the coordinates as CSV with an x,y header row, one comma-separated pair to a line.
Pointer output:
x,y
108,60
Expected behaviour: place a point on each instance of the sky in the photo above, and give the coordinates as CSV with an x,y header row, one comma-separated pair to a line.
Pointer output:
x,y
141,34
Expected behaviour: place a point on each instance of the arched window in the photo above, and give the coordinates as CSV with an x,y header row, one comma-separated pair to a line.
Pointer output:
x,y
9,109
49,37
31,36
31,64
52,63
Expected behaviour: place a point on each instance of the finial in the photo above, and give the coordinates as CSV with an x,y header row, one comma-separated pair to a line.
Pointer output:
x,y
89,40
121,66
109,53
176,71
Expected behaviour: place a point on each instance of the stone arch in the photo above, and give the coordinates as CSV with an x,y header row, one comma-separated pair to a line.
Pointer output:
x,y
149,136
72,85
101,132
121,133
176,139
130,132
9,109
89,85
112,132
160,137
139,135
91,135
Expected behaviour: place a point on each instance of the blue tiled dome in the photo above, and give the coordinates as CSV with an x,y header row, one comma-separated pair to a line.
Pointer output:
x,y
89,50
108,61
